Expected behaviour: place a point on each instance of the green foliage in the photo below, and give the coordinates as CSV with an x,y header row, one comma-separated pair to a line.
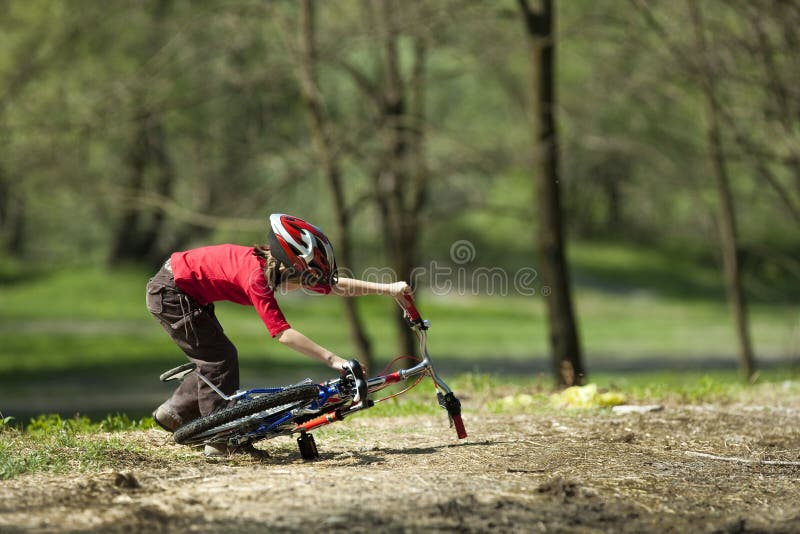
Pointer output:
x,y
693,387
122,422
214,90
676,389
150,126
54,424
58,453
664,309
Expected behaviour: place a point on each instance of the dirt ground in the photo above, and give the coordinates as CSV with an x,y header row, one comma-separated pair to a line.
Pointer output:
x,y
566,472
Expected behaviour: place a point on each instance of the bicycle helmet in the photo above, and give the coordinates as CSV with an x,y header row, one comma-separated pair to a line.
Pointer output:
x,y
303,248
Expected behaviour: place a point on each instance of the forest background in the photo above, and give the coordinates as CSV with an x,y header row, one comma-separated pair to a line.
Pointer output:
x,y
410,132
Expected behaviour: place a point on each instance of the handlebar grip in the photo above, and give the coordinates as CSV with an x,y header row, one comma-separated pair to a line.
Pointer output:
x,y
406,302
459,424
453,406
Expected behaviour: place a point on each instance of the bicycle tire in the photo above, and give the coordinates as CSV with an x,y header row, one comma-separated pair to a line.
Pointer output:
x,y
290,395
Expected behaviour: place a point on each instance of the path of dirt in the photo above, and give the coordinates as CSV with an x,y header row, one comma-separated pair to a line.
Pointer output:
x,y
516,473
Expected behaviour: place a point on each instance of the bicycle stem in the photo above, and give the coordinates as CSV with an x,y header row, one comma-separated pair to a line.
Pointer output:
x,y
420,327
427,361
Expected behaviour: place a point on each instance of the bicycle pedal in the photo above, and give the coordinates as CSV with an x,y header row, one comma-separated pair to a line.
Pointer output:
x,y
308,447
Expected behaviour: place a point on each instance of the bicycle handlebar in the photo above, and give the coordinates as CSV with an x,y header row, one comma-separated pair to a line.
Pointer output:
x,y
412,315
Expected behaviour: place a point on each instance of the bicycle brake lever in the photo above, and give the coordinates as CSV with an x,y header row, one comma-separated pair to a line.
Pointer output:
x,y
357,372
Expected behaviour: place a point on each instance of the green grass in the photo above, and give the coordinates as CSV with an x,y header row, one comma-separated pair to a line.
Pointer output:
x,y
50,443
481,393
618,268
74,318
670,387
73,332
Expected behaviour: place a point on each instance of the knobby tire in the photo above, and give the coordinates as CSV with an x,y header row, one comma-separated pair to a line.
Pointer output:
x,y
292,395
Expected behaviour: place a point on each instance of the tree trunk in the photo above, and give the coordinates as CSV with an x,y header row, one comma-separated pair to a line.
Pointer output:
x,y
12,219
564,343
330,166
12,209
136,237
125,245
401,180
152,245
727,213
610,173
5,212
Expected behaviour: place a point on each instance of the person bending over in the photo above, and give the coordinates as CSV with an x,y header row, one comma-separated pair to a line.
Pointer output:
x,y
182,293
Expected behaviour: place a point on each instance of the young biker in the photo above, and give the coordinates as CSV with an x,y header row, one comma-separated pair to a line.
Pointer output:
x,y
182,293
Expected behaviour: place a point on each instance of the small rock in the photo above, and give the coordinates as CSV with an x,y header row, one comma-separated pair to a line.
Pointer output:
x,y
122,499
126,479
559,487
628,437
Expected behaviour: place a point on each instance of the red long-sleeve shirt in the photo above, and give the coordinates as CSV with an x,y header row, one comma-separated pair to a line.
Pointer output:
x,y
228,272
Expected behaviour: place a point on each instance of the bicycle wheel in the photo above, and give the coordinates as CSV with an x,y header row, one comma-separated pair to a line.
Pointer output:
x,y
284,400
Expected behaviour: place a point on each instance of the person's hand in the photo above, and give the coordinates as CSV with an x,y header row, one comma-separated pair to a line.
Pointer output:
x,y
399,289
341,366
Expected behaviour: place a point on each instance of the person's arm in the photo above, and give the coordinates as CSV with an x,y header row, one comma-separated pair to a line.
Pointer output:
x,y
299,342
351,287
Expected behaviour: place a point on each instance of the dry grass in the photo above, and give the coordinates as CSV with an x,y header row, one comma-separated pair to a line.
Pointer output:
x,y
562,471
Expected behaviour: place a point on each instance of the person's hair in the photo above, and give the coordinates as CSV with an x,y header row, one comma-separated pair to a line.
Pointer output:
x,y
274,271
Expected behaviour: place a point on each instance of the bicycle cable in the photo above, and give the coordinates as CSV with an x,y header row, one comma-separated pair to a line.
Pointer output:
x,y
405,357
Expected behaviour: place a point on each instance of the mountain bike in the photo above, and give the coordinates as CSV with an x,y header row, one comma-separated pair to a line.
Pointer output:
x,y
263,413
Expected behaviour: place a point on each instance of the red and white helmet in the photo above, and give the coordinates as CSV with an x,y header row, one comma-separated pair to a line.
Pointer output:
x,y
303,247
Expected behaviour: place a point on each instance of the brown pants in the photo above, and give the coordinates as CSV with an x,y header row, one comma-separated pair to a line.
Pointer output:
x,y
196,330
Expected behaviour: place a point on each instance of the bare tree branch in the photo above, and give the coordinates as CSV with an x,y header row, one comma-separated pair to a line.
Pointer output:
x,y
145,200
